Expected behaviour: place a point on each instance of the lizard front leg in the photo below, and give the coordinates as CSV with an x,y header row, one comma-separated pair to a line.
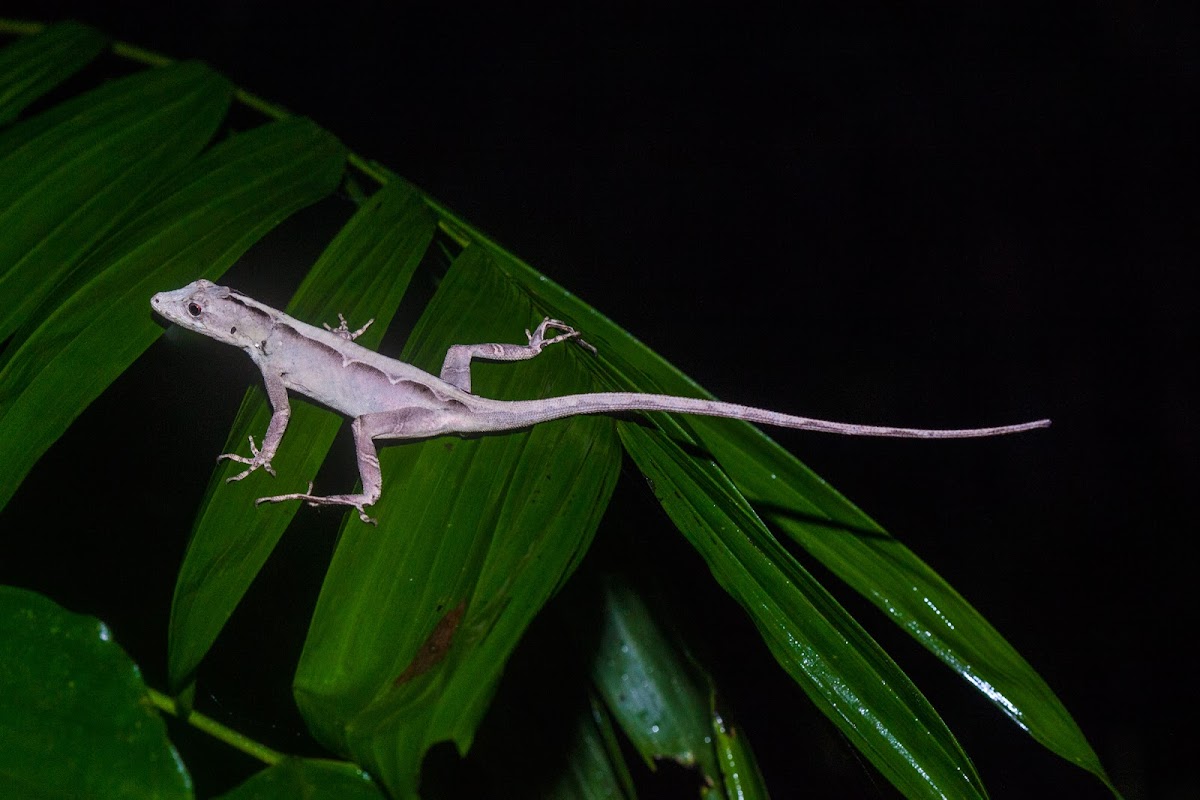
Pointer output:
x,y
403,423
456,369
281,412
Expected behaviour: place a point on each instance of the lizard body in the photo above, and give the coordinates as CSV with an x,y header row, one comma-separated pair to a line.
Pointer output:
x,y
391,400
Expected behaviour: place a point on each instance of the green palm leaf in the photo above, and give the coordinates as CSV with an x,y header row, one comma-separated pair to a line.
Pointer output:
x,y
30,67
416,619
70,174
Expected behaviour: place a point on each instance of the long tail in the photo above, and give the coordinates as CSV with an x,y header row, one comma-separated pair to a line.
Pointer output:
x,y
529,412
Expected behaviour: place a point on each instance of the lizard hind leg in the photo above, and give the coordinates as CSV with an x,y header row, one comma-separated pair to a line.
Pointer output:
x,y
456,369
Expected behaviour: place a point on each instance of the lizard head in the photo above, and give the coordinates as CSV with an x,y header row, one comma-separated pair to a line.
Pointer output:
x,y
215,311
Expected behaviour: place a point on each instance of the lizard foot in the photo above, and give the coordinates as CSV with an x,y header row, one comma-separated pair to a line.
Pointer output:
x,y
538,340
343,329
254,463
354,501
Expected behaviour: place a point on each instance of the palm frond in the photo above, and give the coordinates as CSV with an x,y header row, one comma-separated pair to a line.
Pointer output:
x,y
142,185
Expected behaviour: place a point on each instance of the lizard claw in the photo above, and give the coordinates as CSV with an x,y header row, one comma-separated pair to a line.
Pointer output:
x,y
343,329
253,463
538,339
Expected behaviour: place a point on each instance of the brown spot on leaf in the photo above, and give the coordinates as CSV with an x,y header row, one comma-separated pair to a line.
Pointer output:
x,y
435,647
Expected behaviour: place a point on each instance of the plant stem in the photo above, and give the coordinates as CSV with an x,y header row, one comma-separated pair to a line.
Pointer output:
x,y
217,730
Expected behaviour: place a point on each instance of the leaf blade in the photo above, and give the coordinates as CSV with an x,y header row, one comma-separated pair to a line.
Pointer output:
x,y
308,778
72,173
903,586
74,720
663,700
845,673
32,66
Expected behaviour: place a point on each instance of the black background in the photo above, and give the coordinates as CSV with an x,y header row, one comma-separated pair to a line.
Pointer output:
x,y
908,215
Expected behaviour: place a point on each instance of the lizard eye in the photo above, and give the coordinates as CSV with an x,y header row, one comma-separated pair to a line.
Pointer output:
x,y
194,309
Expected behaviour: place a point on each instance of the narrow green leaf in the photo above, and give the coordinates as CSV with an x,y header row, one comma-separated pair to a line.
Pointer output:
x,y
846,674
417,618
363,274
72,173
652,689
662,699
74,719
32,66
740,775
308,778
194,225
595,767
913,596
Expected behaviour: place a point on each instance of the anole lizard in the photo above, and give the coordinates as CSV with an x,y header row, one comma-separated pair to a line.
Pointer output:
x,y
389,399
